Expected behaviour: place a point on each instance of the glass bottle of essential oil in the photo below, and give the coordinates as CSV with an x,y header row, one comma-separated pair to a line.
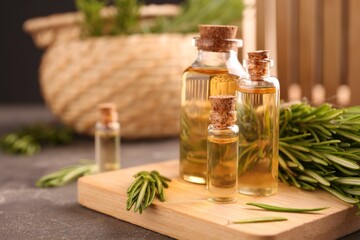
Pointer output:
x,y
222,150
107,138
215,72
257,106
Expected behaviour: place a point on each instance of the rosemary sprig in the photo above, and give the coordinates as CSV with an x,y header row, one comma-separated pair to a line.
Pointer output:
x,y
66,175
325,142
143,190
127,18
195,12
29,140
93,24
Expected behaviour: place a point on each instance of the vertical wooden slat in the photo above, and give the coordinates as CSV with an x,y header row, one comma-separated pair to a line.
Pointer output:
x,y
343,91
318,36
293,68
332,32
249,27
344,54
354,51
318,89
260,24
293,38
283,31
270,31
307,53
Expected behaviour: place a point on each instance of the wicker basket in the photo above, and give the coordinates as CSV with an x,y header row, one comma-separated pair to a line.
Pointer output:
x,y
140,73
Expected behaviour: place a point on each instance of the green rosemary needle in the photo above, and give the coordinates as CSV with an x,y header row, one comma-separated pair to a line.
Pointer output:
x,y
258,220
285,209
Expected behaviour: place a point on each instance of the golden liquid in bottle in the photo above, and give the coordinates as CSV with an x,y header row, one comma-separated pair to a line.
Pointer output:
x,y
222,169
107,149
257,118
197,86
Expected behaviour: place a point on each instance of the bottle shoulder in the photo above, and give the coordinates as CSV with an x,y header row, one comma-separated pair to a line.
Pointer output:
x,y
217,63
223,136
269,84
230,130
111,126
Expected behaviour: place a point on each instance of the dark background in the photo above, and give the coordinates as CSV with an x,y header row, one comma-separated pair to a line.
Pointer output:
x,y
19,58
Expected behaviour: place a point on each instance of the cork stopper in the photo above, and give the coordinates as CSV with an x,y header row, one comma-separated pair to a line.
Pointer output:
x,y
107,112
223,112
258,64
218,38
259,55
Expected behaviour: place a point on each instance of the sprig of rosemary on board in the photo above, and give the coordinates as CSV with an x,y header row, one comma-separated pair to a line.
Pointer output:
x,y
141,193
30,139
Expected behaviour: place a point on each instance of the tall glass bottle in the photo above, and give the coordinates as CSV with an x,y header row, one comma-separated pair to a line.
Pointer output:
x,y
107,139
214,72
257,106
222,150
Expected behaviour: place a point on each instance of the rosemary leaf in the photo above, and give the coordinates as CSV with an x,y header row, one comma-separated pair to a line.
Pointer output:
x,y
284,209
258,220
66,175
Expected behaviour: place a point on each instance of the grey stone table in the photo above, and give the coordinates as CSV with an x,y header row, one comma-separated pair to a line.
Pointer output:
x,y
27,212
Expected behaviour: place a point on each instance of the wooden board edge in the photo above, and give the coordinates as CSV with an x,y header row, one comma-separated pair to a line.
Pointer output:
x,y
183,226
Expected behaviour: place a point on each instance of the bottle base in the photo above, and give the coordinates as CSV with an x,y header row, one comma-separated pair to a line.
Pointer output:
x,y
194,179
257,191
222,199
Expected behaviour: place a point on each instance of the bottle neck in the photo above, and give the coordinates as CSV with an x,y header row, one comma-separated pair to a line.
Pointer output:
x,y
109,118
258,69
221,120
217,59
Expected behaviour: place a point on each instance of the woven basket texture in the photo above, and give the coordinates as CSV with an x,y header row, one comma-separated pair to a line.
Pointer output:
x,y
140,73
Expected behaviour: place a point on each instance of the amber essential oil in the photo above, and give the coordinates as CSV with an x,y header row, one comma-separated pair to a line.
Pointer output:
x,y
222,151
107,139
198,86
214,72
257,105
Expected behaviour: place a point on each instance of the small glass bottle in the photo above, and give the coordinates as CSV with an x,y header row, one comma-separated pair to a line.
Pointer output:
x,y
222,150
214,72
257,106
107,138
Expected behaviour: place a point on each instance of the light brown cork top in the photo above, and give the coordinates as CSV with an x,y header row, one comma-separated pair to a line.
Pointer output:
x,y
107,112
223,112
217,37
258,64
259,55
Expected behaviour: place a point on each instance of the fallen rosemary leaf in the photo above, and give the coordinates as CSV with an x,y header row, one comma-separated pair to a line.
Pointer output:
x,y
258,220
285,209
66,175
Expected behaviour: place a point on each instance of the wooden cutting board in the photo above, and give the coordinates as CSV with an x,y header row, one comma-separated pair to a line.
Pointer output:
x,y
187,214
